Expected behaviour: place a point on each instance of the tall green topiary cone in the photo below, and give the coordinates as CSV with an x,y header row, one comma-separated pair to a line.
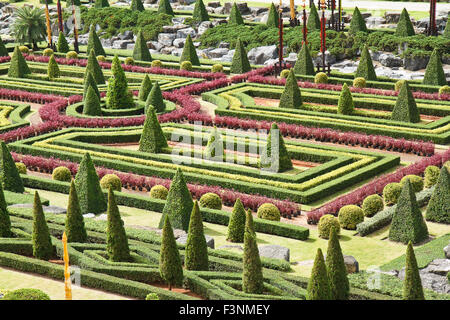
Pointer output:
x,y
357,24
146,87
407,221
404,26
9,176
155,99
152,138
275,157
89,82
165,7
196,257
116,238
88,187
91,105
5,222
200,13
18,67
94,41
101,4
249,226
136,5
412,285
94,67
304,64
272,18
291,96
62,44
236,225
438,209
336,269
40,238
235,15
252,277
189,53
52,68
345,103
118,96
319,286
434,74
313,22
214,147
240,63
365,67
140,51
405,108
170,266
179,203
3,50
75,229
446,33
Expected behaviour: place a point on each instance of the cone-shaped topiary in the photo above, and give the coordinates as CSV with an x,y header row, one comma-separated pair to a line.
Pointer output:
x,y
89,82
62,44
336,269
91,105
136,5
179,203
345,103
18,67
94,67
200,13
165,7
407,221
412,285
240,63
117,95
5,222
88,187
116,238
9,175
446,33
404,26
291,96
313,22
155,98
357,24
272,18
152,138
196,257
170,266
275,157
252,277
40,238
235,15
249,226
318,285
405,108
236,225
52,68
140,51
75,230
304,64
365,67
434,74
146,87
94,41
101,4
3,50
438,209
214,147
189,53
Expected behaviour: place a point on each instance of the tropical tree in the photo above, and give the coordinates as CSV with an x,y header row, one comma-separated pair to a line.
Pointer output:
x,y
29,26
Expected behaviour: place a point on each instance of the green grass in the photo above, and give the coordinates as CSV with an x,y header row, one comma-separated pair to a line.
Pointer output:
x,y
13,198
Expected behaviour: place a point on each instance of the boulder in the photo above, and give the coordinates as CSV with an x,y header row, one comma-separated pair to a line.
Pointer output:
x,y
174,28
415,63
179,42
242,6
155,45
390,60
352,264
89,215
231,246
438,266
209,240
126,35
447,251
205,25
166,39
183,33
392,17
218,52
54,209
260,55
214,4
225,45
274,251
219,10
102,217
256,11
121,44
373,22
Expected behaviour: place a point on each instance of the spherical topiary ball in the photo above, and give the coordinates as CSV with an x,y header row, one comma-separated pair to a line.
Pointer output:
x,y
431,176
321,77
284,74
101,58
186,65
398,85
157,64
349,216
391,192
327,222
159,192
26,294
129,61
268,211
372,204
47,52
21,167
416,182
24,49
217,68
211,200
111,180
359,82
71,55
62,174
444,90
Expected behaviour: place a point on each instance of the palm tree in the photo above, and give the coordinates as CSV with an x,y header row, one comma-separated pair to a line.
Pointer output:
x,y
29,25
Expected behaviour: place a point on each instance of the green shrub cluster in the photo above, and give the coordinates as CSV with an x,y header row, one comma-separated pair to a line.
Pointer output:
x,y
326,223
94,67
111,181
196,257
136,5
252,277
200,14
273,17
357,23
165,7
268,211
434,74
321,77
438,208
40,238
155,99
211,200
217,67
62,173
5,221
405,108
235,15
118,96
94,43
372,205
74,226
431,176
71,55
47,52
18,67
404,26
186,65
391,192
26,294
152,139
21,168
140,51
349,216
170,266
236,225
189,53
275,158
62,45
359,82
444,90
336,269
318,285
313,22
365,67
345,103
145,88
291,96
159,192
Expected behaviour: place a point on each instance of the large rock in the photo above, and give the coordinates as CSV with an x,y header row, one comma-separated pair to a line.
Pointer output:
x,y
205,25
260,55
174,28
415,63
258,10
392,17
126,35
166,39
390,60
209,240
242,6
121,44
438,266
274,251
218,52
351,264
373,22
183,33
447,251
179,43
214,4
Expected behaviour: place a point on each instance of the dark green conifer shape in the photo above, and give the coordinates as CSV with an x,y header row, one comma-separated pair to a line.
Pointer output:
x,y
235,15
140,51
365,67
136,5
92,103
407,221
40,238
152,138
240,63
118,96
405,108
18,67
412,285
179,203
357,24
319,286
52,68
434,74
214,147
291,96
273,18
252,277
165,7
236,225
272,154
404,26
101,4
94,41
304,64
94,67
313,22
170,266
89,82
9,176
62,44
200,13
196,257
446,33
345,103
89,192
3,50
249,226
146,87
75,230
70,2
337,271
5,222
155,99
438,209
189,53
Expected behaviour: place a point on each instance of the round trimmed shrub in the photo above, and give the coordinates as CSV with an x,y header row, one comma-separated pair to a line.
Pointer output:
x,y
268,211
26,294
129,61
111,180
217,68
211,200
47,52
186,65
157,64
372,205
284,74
62,174
24,49
321,77
431,176
444,90
327,222
101,58
391,192
159,192
71,55
21,167
349,216
359,82
152,296
416,182
398,85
